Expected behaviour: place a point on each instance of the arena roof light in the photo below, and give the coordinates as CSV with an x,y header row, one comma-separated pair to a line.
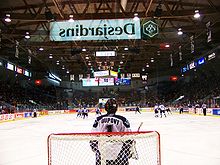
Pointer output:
x,y
8,18
41,49
136,18
180,32
196,15
71,18
27,35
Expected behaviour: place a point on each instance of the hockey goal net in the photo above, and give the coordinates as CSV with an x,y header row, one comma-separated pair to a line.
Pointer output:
x,y
115,148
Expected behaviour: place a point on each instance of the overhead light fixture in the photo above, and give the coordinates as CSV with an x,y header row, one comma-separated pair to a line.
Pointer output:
x,y
147,65
58,62
196,15
152,60
158,53
143,69
87,57
63,67
164,46
27,35
41,49
71,18
136,18
180,32
50,56
126,48
67,71
7,18
121,62
84,49
167,45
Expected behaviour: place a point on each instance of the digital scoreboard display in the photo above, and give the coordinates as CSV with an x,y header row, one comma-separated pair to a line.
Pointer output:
x,y
10,66
19,70
106,81
201,61
122,81
192,65
89,82
105,53
184,69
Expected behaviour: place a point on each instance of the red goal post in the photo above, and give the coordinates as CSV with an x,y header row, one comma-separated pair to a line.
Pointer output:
x,y
118,148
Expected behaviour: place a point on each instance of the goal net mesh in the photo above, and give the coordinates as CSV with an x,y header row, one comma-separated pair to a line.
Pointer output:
x,y
131,148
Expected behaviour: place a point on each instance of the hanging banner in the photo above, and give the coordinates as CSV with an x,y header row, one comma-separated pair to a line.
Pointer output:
x,y
180,53
171,60
0,38
192,44
72,77
122,75
29,59
209,32
107,29
16,49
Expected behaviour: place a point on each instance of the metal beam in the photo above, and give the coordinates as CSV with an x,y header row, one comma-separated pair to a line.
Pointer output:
x,y
49,4
178,14
58,9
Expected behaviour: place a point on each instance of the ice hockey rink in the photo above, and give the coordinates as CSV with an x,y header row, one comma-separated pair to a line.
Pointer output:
x,y
185,139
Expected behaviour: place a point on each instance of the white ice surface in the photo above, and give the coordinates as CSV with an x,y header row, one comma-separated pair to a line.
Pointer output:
x,y
185,139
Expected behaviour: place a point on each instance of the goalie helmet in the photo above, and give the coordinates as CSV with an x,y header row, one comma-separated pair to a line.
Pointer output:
x,y
111,106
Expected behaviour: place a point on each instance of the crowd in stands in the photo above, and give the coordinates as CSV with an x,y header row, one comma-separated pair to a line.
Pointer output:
x,y
204,89
15,97
200,88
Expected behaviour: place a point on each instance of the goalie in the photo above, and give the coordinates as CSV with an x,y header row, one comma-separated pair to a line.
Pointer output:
x,y
112,152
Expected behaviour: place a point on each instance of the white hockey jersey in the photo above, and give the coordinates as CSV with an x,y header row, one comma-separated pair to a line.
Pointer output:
x,y
162,107
116,150
111,123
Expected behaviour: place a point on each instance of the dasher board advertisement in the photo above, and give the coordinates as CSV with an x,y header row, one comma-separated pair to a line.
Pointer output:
x,y
106,29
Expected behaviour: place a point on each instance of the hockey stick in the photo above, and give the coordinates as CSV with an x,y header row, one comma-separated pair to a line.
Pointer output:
x,y
133,150
140,126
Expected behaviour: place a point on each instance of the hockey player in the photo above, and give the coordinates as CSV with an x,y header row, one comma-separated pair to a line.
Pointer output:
x,y
156,110
35,113
168,110
97,111
85,112
79,113
162,110
204,106
118,152
137,109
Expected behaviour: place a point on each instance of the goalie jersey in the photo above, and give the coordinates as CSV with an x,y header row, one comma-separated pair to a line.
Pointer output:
x,y
111,123
113,152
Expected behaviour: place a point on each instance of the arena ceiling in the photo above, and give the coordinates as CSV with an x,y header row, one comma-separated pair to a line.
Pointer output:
x,y
34,16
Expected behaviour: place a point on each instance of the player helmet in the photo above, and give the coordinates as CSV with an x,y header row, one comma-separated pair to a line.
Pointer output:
x,y
111,106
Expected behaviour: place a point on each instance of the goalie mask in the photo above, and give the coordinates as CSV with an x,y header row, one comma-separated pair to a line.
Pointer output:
x,y
111,106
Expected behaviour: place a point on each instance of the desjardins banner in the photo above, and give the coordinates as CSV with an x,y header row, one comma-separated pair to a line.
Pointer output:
x,y
109,29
